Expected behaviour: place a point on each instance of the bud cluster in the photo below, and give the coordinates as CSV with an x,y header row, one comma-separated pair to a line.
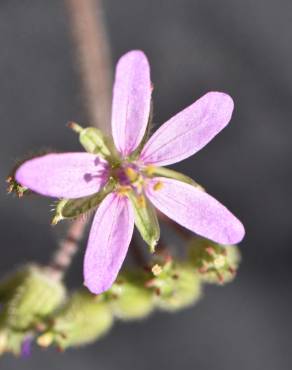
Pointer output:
x,y
34,304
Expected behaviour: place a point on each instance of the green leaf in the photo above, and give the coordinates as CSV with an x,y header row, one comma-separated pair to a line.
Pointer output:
x,y
145,219
166,172
70,208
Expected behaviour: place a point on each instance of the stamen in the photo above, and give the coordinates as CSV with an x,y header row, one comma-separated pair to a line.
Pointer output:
x,y
124,190
158,186
141,201
150,170
156,270
131,174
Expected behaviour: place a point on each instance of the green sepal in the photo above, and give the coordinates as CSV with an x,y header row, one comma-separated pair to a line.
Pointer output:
x,y
71,208
95,141
146,219
83,319
167,172
128,298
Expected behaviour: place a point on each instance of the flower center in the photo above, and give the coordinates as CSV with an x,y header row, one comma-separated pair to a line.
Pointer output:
x,y
130,177
133,178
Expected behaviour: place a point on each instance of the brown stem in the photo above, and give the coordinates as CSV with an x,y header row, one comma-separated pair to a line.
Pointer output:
x,y
68,247
93,56
92,51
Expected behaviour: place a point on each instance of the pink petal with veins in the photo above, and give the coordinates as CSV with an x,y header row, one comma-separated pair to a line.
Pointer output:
x,y
131,101
188,131
195,210
108,243
66,175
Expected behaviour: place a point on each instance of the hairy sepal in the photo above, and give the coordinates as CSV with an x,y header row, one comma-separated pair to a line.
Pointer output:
x,y
172,174
94,141
71,208
145,219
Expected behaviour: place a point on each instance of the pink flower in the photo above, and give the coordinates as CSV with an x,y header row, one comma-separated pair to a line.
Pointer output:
x,y
74,175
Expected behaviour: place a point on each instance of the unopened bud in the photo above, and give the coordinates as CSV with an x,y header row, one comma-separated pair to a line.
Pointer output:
x,y
14,342
129,298
32,298
83,319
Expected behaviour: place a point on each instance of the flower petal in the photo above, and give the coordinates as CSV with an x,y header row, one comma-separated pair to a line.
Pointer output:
x,y
195,210
131,101
109,239
188,131
67,175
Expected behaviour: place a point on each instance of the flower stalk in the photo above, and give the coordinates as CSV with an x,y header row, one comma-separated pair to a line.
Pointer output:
x,y
92,53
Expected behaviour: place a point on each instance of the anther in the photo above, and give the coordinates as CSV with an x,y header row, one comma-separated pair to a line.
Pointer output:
x,y
158,186
141,201
131,174
156,269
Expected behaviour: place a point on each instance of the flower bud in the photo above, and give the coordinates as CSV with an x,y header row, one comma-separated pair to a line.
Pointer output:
x,y
176,286
94,141
215,263
30,297
129,298
83,319
15,342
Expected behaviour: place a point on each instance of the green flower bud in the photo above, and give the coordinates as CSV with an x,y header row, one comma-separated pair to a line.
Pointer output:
x,y
215,263
12,341
10,283
145,219
32,297
83,319
94,141
129,298
71,208
176,285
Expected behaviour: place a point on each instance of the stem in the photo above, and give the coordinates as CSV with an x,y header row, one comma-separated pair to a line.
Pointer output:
x,y
93,57
67,248
92,52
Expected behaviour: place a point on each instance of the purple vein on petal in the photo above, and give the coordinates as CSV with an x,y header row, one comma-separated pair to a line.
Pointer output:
x,y
108,243
131,101
188,131
195,210
64,175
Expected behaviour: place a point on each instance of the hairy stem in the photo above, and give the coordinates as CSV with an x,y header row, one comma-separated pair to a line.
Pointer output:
x,y
93,56
68,247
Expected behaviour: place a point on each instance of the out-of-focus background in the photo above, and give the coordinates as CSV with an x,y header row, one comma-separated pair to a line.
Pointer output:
x,y
194,46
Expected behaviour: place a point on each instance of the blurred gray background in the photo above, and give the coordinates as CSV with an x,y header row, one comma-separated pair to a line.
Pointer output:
x,y
240,47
